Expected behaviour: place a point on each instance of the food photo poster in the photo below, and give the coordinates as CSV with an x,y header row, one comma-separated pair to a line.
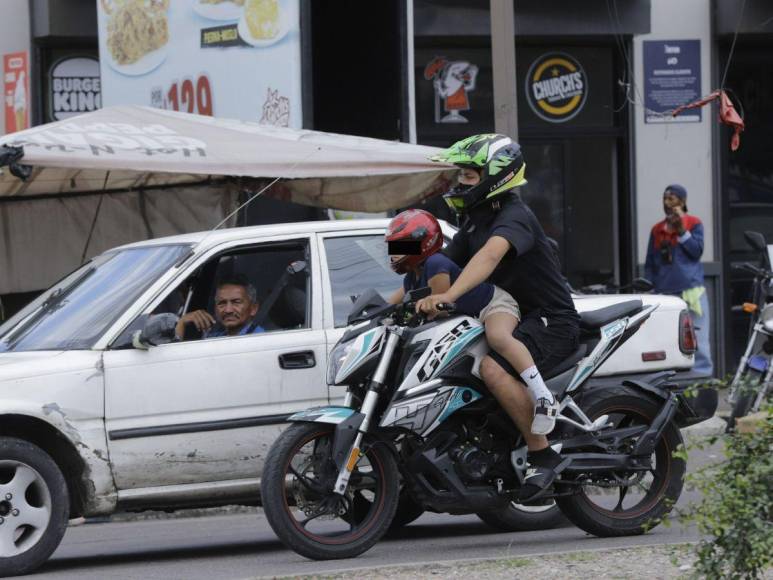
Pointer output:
x,y
236,59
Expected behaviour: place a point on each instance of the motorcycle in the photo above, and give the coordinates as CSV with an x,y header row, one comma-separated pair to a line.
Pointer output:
x,y
419,424
752,380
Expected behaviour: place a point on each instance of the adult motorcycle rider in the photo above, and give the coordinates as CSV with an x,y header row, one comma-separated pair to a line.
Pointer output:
x,y
501,241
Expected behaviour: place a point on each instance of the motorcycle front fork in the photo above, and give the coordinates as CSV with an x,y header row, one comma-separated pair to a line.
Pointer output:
x,y
368,408
732,394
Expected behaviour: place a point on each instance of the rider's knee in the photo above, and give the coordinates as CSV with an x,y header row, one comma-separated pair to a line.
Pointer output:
x,y
496,340
491,373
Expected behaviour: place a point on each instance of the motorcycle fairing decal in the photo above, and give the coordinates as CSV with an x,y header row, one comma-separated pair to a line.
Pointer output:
x,y
610,334
333,415
369,345
461,397
447,347
423,414
417,413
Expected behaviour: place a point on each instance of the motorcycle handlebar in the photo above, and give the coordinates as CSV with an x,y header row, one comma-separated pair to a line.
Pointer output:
x,y
747,267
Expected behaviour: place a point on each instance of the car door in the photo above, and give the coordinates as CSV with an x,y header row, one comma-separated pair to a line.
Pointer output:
x,y
352,262
207,410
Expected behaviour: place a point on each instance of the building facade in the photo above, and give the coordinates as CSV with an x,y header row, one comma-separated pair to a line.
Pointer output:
x,y
594,84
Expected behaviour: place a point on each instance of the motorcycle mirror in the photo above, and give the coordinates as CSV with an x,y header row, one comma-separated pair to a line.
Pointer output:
x,y
756,240
159,329
642,285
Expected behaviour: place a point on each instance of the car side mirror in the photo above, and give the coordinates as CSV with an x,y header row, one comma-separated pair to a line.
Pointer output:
x,y
158,329
756,240
642,285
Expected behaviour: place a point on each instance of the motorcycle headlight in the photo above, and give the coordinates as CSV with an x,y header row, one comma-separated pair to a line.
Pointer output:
x,y
767,317
337,358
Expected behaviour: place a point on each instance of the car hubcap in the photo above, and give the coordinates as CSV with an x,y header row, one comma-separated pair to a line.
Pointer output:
x,y
25,508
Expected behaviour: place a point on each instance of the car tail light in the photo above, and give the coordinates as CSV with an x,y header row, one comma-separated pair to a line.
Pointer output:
x,y
653,356
688,344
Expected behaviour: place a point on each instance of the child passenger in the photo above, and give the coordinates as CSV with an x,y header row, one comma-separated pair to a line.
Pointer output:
x,y
414,242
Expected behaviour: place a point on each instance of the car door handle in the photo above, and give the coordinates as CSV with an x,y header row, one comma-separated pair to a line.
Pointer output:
x,y
297,360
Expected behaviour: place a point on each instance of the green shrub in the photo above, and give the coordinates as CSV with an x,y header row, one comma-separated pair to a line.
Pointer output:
x,y
735,510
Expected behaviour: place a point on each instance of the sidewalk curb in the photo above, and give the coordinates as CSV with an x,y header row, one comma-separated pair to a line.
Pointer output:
x,y
711,427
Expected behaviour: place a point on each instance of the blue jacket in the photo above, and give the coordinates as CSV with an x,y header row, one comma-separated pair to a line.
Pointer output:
x,y
673,261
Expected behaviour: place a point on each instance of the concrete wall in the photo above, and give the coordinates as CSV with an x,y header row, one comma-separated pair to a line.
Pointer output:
x,y
14,36
680,152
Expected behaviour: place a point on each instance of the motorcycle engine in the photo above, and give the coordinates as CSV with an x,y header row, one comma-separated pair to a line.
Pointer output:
x,y
471,463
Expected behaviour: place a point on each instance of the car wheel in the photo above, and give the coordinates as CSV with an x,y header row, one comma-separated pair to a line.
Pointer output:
x,y
34,506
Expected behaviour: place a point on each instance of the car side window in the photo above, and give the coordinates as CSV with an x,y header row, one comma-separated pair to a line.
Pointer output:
x,y
249,290
356,264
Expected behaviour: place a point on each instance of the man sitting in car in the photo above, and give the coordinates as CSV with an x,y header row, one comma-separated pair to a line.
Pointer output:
x,y
236,305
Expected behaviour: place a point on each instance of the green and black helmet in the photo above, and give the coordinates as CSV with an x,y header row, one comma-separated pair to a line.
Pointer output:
x,y
497,158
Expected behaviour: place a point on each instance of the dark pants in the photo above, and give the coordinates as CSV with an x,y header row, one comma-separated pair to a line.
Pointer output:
x,y
549,344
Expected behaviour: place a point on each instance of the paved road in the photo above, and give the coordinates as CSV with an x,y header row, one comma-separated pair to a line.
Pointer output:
x,y
243,546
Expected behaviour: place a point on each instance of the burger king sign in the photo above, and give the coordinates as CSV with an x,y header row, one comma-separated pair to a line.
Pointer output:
x,y
556,87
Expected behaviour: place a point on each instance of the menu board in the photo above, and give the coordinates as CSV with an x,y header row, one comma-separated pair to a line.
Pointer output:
x,y
226,58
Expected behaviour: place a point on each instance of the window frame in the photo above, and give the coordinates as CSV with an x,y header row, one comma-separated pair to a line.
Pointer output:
x,y
327,283
160,291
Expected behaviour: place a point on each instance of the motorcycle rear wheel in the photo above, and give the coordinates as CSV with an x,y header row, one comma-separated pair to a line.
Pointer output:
x,y
602,512
304,512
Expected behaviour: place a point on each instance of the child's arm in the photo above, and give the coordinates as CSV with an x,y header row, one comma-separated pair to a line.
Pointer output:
x,y
477,271
397,296
440,283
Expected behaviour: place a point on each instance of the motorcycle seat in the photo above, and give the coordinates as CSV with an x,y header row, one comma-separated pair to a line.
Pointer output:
x,y
595,319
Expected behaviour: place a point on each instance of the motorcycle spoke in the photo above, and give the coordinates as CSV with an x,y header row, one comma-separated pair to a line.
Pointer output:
x,y
363,481
623,491
307,482
323,511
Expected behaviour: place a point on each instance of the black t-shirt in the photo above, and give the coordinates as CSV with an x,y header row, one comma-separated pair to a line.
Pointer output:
x,y
529,271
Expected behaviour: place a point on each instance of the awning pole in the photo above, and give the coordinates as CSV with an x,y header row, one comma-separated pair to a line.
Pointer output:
x,y
503,67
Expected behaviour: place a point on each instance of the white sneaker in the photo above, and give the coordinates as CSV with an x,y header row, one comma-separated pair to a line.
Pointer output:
x,y
545,413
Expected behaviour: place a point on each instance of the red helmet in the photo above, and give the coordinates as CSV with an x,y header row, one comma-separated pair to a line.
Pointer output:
x,y
415,235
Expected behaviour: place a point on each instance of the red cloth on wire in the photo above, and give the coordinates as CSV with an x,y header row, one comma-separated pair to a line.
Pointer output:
x,y
727,114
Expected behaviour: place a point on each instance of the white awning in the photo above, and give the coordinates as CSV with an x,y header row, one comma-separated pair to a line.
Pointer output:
x,y
123,174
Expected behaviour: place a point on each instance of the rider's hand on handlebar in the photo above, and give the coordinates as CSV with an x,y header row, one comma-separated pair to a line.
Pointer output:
x,y
429,305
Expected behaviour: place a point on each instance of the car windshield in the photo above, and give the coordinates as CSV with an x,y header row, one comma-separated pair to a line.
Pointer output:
x,y
74,313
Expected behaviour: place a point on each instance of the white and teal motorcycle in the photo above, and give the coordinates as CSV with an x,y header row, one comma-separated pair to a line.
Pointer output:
x,y
420,432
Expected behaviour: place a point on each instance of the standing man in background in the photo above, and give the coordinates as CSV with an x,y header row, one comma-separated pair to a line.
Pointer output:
x,y
674,266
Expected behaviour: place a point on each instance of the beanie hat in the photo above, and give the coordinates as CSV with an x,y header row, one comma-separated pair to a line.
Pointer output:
x,y
679,191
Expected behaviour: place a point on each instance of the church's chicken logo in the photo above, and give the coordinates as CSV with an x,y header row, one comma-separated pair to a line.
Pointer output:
x,y
556,87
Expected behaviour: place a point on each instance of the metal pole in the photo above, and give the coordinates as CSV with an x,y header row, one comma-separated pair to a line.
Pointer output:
x,y
503,67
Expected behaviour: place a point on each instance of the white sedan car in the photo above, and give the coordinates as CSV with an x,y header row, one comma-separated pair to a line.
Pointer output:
x,y
92,421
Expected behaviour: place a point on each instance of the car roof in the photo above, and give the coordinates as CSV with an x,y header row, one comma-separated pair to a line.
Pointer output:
x,y
216,237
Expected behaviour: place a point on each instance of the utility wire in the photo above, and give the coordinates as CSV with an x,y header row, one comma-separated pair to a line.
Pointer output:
x,y
732,46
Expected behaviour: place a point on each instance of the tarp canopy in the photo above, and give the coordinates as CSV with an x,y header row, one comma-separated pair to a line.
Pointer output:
x,y
129,147
127,173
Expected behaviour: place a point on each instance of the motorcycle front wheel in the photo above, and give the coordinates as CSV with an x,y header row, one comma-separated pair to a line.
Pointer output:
x,y
626,503
748,390
304,512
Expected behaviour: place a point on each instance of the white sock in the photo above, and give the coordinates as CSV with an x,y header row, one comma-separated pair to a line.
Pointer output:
x,y
535,385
